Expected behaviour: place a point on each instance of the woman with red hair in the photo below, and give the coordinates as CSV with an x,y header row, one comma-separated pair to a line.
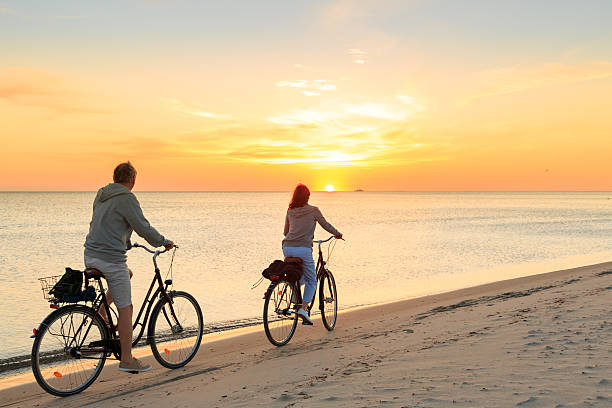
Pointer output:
x,y
300,224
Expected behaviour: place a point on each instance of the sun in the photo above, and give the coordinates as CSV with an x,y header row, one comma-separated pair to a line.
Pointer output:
x,y
330,187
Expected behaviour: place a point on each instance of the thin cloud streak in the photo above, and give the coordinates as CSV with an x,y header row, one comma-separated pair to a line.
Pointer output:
x,y
309,87
401,107
358,56
509,80
193,109
28,87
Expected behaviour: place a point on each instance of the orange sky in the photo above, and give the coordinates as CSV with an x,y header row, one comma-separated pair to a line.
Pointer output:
x,y
409,96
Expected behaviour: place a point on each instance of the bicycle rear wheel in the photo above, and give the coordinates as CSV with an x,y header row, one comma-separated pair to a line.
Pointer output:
x,y
280,318
175,331
328,298
69,350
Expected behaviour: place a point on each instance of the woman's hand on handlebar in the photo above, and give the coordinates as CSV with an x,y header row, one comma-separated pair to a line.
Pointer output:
x,y
339,236
169,245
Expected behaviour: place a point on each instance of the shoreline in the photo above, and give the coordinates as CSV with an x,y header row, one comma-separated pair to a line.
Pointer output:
x,y
221,360
20,364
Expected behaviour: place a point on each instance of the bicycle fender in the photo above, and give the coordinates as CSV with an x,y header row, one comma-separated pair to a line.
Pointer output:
x,y
269,290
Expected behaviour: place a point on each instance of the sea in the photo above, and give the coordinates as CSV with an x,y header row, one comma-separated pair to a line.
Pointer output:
x,y
398,245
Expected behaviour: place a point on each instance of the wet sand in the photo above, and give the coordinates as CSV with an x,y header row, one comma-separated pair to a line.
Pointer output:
x,y
538,341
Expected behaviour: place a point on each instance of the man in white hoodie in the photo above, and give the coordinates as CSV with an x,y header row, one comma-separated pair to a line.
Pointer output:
x,y
116,214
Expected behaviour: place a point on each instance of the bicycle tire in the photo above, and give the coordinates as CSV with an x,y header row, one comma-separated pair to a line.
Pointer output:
x,y
328,299
63,371
180,339
280,320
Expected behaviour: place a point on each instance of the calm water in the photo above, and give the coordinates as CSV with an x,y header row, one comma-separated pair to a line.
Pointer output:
x,y
398,245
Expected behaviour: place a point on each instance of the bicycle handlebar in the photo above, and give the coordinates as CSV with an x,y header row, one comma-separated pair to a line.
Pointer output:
x,y
154,252
149,250
320,241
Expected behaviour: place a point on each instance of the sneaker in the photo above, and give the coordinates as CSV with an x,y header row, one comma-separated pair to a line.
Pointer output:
x,y
134,366
305,318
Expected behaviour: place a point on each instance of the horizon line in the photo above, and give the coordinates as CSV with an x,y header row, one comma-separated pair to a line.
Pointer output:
x,y
319,191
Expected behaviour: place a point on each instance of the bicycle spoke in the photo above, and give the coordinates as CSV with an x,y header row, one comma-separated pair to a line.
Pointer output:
x,y
56,353
329,301
175,337
279,319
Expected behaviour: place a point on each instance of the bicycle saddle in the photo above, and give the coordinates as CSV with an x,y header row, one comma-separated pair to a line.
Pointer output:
x,y
93,273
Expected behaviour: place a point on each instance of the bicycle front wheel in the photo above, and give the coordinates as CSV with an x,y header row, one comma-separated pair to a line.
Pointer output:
x,y
176,328
280,320
328,298
69,350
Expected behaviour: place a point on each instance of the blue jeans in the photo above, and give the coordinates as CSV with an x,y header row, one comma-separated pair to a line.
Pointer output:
x,y
309,277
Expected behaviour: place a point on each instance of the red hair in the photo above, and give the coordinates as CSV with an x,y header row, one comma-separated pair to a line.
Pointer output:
x,y
300,197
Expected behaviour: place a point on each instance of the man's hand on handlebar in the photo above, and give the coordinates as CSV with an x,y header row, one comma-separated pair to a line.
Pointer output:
x,y
339,236
169,245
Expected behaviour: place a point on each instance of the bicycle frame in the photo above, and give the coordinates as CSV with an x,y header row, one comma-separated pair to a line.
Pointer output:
x,y
149,300
320,269
100,301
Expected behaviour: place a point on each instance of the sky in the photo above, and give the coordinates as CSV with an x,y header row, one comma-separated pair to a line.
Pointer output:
x,y
381,95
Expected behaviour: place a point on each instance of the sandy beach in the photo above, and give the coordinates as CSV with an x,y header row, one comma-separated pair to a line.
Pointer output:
x,y
539,341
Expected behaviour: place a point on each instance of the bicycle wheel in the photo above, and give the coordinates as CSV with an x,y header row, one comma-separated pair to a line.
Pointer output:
x,y
328,298
69,350
175,330
280,319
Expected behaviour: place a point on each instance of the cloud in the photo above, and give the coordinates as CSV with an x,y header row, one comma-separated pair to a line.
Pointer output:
x,y
24,86
345,132
358,56
381,110
306,116
309,87
349,131
515,79
282,146
5,10
194,109
343,113
203,114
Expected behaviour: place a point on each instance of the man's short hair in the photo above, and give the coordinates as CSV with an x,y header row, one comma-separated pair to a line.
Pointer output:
x,y
124,173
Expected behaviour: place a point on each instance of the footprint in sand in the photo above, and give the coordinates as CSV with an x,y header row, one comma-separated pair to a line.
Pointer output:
x,y
527,402
355,370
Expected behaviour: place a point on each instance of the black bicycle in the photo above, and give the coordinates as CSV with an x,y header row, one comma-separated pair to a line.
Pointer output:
x,y
284,298
72,344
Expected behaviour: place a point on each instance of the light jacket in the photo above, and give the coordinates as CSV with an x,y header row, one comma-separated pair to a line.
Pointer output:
x,y
116,213
300,225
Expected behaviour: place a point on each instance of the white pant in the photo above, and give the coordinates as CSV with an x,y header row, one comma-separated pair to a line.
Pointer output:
x,y
118,278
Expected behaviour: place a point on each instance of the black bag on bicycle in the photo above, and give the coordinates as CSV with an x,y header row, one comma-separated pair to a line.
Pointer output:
x,y
70,285
279,270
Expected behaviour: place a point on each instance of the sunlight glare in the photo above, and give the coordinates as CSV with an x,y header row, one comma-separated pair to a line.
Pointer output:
x,y
329,187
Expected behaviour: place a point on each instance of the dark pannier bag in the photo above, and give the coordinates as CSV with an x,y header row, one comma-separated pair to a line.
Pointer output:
x,y
279,270
70,285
